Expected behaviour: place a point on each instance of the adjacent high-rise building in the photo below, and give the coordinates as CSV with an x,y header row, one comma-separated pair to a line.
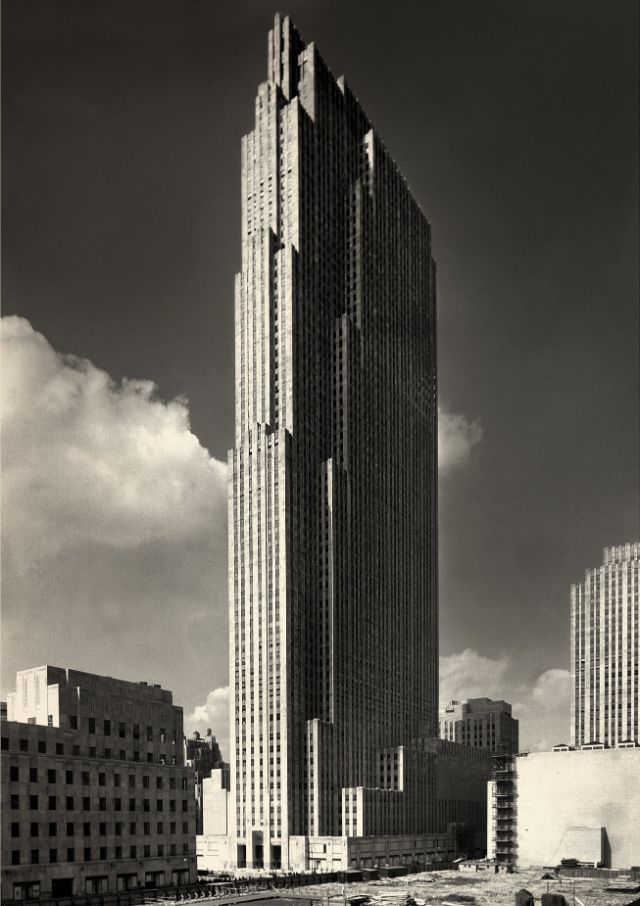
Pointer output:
x,y
96,796
605,651
333,495
481,723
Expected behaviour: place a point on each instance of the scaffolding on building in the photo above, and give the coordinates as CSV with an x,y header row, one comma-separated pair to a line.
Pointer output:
x,y
505,824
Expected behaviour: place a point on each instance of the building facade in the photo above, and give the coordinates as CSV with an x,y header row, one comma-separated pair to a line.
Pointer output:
x,y
566,804
333,494
202,753
605,650
96,796
480,723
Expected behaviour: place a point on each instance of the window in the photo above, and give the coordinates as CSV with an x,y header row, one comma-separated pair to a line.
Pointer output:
x,y
117,804
59,748
103,852
122,755
51,775
103,829
86,829
116,779
132,852
53,829
145,805
149,757
71,855
92,751
24,745
160,849
14,772
73,721
33,801
145,781
159,804
53,856
35,856
102,804
121,730
15,829
185,827
42,747
185,805
172,827
158,783
132,828
92,724
85,778
150,734
34,829
5,743
132,781
87,854
132,805
33,775
70,805
146,850
163,735
15,857
147,828
53,802
86,803
107,753
118,852
136,731
102,779
118,828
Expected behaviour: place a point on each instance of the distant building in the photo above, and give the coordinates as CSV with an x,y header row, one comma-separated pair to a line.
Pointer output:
x,y
567,804
480,723
204,756
95,792
605,651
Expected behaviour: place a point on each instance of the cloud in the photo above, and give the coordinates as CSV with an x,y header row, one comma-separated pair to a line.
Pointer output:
x,y
542,708
552,686
457,436
114,524
470,675
213,714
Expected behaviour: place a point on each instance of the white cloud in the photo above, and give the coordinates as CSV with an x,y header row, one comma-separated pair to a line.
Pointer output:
x,y
470,675
457,436
543,708
552,686
114,524
213,714
87,459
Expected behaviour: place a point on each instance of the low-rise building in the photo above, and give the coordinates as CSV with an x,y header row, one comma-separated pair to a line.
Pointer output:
x,y
567,804
95,791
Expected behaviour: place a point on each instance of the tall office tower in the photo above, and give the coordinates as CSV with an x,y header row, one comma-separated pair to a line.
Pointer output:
x,y
605,651
332,507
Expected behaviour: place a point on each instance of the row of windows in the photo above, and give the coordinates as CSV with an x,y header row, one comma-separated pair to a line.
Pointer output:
x,y
103,853
116,804
107,752
85,776
119,828
108,727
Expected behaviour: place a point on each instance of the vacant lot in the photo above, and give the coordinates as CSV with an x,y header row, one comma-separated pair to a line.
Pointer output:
x,y
482,889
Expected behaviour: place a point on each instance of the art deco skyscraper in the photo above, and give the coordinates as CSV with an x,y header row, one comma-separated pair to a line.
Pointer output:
x,y
605,651
333,494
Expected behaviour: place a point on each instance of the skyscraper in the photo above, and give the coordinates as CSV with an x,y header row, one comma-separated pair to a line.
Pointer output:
x,y
333,494
605,651
480,723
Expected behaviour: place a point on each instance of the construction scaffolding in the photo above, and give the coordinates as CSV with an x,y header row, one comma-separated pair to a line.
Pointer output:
x,y
505,812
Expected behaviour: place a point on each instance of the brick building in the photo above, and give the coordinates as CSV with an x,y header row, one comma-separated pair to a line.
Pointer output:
x,y
95,791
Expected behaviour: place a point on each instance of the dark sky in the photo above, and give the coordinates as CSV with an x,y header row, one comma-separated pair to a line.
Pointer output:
x,y
516,126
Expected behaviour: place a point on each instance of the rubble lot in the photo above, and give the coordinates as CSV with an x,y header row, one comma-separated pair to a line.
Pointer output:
x,y
475,889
